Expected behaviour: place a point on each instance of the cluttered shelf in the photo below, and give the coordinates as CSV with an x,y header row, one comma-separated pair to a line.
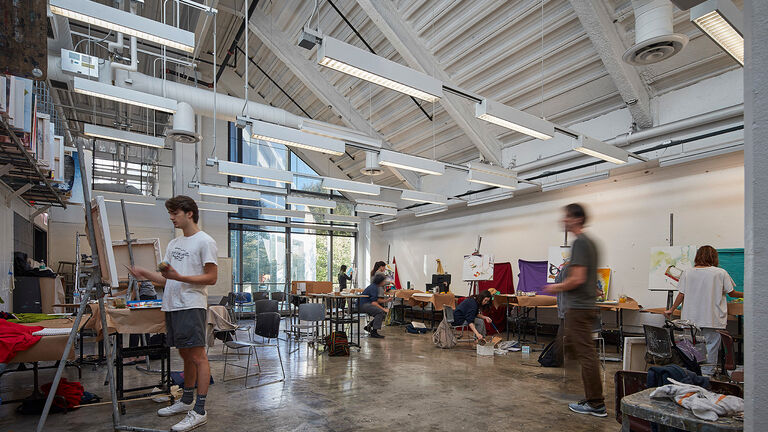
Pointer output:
x,y
20,171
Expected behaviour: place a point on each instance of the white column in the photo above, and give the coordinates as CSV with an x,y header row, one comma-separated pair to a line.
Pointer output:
x,y
756,214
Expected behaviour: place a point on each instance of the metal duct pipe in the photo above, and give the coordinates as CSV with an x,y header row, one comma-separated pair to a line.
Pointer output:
x,y
624,140
118,48
201,100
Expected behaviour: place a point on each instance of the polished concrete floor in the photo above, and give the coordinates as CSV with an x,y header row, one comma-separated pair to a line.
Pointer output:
x,y
402,382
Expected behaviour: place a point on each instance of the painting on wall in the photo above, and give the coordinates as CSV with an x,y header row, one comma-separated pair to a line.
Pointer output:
x,y
603,282
557,257
667,265
477,267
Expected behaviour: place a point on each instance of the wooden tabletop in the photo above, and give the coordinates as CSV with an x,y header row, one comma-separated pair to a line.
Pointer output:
x,y
667,412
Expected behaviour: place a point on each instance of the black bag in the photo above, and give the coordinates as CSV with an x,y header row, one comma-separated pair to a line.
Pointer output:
x,y
550,356
336,344
413,330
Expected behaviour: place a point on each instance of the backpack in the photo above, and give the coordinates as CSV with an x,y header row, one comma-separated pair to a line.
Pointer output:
x,y
549,356
336,344
444,336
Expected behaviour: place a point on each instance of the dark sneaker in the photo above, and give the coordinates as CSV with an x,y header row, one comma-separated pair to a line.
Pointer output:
x,y
585,408
375,334
367,328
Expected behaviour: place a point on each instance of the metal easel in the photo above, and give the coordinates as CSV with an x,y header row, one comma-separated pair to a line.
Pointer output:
x,y
96,288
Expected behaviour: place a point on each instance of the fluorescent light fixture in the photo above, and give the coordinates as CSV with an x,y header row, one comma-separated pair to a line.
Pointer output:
x,y
257,172
121,21
228,192
293,214
489,199
486,178
383,221
364,208
433,198
350,186
261,188
412,163
722,21
430,211
510,118
147,200
339,133
492,169
696,155
596,148
341,218
310,202
296,138
376,202
113,134
216,207
354,61
120,94
573,182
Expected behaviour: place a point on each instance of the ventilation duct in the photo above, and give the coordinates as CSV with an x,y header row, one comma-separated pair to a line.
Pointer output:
x,y
655,39
183,125
372,167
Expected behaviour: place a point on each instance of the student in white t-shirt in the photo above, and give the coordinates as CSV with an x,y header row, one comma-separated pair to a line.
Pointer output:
x,y
702,291
188,268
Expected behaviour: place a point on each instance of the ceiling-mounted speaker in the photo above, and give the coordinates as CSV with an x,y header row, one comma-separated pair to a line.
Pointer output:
x,y
183,125
372,167
655,39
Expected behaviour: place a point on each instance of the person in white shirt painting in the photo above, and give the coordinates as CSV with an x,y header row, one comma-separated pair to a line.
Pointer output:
x,y
702,291
188,268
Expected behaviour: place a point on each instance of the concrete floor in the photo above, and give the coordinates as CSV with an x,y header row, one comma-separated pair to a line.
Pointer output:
x,y
402,382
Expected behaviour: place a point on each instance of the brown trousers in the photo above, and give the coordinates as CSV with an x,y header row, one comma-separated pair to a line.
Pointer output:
x,y
579,325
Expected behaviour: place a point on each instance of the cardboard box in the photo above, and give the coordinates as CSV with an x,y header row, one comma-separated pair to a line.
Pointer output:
x,y
312,287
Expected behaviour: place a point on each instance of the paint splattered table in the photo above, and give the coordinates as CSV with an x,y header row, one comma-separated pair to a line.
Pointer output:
x,y
667,413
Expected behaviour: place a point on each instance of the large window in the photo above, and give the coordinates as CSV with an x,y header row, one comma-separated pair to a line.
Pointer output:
x,y
270,251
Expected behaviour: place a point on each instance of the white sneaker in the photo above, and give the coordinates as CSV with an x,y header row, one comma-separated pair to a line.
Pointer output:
x,y
191,421
178,408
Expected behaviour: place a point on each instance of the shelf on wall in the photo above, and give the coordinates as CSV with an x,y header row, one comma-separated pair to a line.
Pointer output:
x,y
24,171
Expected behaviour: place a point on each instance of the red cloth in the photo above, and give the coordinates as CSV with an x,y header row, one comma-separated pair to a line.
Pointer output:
x,y
14,338
69,393
397,277
502,281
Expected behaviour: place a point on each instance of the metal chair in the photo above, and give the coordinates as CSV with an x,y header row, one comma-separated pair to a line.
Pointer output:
x,y
279,297
260,295
241,300
312,314
268,326
262,306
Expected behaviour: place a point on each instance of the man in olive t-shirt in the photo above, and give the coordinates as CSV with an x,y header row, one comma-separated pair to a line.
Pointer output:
x,y
580,294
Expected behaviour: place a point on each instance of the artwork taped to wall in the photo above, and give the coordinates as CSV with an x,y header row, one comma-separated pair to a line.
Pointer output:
x,y
557,256
603,282
104,242
477,267
223,284
146,254
667,264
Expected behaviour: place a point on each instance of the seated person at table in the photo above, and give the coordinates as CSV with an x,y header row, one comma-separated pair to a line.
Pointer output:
x,y
373,305
468,312
703,292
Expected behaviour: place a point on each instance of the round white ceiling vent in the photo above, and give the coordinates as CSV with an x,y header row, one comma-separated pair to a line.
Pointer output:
x,y
655,39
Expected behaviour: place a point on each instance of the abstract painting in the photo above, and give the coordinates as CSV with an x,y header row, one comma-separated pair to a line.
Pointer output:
x,y
477,267
667,265
603,282
557,257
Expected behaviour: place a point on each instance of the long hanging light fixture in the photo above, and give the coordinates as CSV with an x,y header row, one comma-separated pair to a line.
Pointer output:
x,y
351,60
492,175
722,21
216,207
120,94
376,203
296,138
147,200
113,134
592,147
341,218
411,163
256,172
228,192
310,202
350,186
293,214
364,208
513,119
426,197
490,199
430,211
117,20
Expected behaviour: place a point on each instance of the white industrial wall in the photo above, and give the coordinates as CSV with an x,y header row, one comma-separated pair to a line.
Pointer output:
x,y
629,214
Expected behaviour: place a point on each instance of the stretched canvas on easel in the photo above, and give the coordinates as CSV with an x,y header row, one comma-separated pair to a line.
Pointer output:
x,y
557,256
146,254
104,242
667,264
603,282
477,268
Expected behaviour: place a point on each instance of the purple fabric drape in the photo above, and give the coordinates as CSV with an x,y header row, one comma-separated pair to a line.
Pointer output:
x,y
533,276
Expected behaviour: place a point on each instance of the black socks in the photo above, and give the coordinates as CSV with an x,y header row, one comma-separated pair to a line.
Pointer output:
x,y
188,396
200,404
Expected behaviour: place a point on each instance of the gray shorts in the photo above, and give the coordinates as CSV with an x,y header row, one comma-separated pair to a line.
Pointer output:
x,y
185,328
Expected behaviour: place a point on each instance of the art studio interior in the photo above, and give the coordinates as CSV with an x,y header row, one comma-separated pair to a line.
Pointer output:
x,y
373,215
